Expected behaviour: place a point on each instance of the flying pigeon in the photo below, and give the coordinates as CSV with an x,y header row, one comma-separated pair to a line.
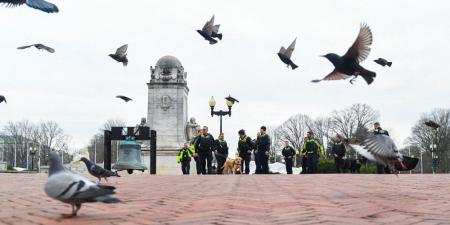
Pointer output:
x,y
36,4
98,171
125,98
231,99
348,65
382,149
2,99
383,62
39,46
209,30
215,32
121,55
74,189
429,123
285,55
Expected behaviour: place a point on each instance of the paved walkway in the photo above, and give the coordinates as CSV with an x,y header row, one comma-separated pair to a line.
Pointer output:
x,y
271,199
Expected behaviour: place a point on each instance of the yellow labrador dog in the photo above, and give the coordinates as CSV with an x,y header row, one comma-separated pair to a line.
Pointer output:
x,y
232,165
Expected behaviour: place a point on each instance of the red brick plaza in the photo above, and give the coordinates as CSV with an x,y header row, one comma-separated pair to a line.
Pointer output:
x,y
271,199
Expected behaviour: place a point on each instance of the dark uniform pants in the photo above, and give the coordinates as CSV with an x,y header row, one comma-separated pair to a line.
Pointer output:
x,y
258,164
383,169
209,159
246,160
312,162
263,163
339,162
304,164
288,162
220,161
185,166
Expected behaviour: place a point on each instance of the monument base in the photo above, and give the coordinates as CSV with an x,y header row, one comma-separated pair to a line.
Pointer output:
x,y
166,163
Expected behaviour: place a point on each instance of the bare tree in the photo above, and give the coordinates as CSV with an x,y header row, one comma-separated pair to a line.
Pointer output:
x,y
96,145
345,122
425,137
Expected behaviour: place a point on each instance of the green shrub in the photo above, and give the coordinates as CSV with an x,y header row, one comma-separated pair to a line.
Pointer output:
x,y
326,166
9,167
369,168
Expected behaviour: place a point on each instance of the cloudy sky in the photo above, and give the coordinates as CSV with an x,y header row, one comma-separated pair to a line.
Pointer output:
x,y
76,86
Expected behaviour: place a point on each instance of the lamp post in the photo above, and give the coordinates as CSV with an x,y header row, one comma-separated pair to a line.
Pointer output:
x,y
433,145
220,113
32,154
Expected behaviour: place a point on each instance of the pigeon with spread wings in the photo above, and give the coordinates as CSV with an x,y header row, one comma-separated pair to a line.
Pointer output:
x,y
209,30
121,55
38,46
285,55
36,4
382,149
347,65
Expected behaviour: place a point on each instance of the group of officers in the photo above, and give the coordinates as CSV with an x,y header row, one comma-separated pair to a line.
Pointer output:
x,y
203,146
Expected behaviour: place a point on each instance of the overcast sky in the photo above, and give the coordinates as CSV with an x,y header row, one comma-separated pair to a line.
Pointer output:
x,y
76,86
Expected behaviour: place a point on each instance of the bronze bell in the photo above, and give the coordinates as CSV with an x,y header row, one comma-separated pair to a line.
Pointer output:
x,y
129,157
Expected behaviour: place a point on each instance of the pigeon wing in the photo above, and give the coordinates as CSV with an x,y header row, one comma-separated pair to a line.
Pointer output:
x,y
215,28
290,49
122,50
42,5
48,49
208,28
382,146
12,3
334,75
361,47
282,50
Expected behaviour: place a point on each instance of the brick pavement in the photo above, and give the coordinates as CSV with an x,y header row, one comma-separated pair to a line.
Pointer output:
x,y
271,199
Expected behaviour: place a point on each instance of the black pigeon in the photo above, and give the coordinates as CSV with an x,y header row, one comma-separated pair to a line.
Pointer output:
x,y
36,4
74,189
429,123
348,65
125,98
2,99
209,30
39,46
231,99
383,62
98,171
285,55
121,55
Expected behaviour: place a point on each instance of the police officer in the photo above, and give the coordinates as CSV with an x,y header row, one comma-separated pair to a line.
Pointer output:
x,y
377,130
204,147
184,156
338,151
221,152
245,147
289,153
195,151
262,151
311,150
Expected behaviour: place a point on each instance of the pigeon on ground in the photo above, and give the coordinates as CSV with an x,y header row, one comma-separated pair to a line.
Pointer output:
x,y
2,99
383,62
36,4
382,149
231,99
98,171
125,98
285,55
348,65
209,30
39,46
74,189
121,55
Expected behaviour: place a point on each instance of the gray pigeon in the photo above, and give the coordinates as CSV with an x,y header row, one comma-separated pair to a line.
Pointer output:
x,y
98,171
285,55
382,149
121,55
36,4
231,99
383,62
38,46
209,31
2,99
74,189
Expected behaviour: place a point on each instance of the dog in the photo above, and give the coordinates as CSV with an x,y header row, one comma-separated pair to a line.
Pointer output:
x,y
232,165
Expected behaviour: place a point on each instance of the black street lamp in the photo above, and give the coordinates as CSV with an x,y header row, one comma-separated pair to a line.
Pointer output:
x,y
32,154
220,113
433,145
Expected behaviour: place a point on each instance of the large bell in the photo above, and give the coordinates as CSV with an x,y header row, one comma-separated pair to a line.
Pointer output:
x,y
129,157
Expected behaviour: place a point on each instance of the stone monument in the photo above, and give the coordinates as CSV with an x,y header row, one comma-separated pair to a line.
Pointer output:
x,y
168,112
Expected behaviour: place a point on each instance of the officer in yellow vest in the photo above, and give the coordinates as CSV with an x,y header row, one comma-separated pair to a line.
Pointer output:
x,y
184,157
311,151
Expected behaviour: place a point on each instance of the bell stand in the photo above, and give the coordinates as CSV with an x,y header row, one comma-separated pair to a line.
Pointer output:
x,y
141,133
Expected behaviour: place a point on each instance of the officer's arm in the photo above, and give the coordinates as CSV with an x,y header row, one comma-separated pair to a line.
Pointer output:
x,y
250,143
226,149
197,144
293,152
179,156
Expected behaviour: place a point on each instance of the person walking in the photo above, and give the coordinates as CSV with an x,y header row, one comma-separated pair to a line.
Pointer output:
x,y
288,153
311,149
204,147
221,152
245,147
184,157
338,151
262,151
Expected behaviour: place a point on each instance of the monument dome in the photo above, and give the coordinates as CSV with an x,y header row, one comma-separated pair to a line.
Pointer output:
x,y
168,62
